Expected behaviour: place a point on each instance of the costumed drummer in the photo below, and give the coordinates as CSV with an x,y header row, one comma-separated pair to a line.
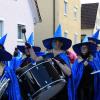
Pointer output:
x,y
83,85
25,51
8,76
25,61
56,49
27,58
4,55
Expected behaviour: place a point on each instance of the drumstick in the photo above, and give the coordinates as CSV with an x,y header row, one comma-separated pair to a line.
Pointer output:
x,y
56,60
24,31
95,72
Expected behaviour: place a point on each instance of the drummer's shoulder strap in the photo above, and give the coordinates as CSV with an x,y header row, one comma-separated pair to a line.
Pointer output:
x,y
65,58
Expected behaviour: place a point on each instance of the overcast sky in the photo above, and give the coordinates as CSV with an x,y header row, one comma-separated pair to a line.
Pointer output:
x,y
89,1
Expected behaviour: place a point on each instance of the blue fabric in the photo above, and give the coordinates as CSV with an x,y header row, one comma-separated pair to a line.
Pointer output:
x,y
77,72
58,32
97,57
95,37
15,62
40,53
13,90
69,83
65,58
31,39
2,40
85,39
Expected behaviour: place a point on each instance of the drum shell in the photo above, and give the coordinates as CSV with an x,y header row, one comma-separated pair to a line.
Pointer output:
x,y
33,78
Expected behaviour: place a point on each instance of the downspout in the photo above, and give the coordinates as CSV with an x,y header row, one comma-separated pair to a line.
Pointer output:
x,y
54,16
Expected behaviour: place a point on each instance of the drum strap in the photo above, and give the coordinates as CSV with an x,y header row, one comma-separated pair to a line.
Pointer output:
x,y
65,58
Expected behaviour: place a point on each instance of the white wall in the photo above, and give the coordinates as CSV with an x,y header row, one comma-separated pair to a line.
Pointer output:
x,y
14,12
87,32
97,23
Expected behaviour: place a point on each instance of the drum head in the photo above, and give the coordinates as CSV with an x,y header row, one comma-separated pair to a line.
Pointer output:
x,y
49,91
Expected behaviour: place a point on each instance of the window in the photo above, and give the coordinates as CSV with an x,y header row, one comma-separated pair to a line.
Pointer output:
x,y
75,38
20,34
65,34
65,7
1,28
75,12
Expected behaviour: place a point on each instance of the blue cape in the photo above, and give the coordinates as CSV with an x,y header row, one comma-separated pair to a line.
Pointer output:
x,y
15,62
77,72
65,58
13,90
98,56
67,61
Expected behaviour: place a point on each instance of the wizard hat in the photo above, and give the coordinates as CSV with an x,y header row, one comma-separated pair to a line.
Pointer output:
x,y
95,37
31,39
57,36
31,42
22,48
4,55
92,47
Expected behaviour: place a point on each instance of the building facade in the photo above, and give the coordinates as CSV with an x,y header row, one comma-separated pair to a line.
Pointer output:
x,y
55,12
90,18
15,15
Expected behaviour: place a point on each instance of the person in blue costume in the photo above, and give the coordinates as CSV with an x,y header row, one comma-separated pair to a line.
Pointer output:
x,y
83,85
25,50
17,53
4,55
95,39
12,92
16,59
57,47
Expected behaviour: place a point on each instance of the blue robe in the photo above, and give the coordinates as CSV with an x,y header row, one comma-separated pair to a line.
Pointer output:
x,y
13,90
97,58
65,58
15,62
77,72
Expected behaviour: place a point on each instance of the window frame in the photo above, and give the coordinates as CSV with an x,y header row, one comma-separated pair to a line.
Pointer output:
x,y
65,7
75,12
75,38
1,33
22,37
66,34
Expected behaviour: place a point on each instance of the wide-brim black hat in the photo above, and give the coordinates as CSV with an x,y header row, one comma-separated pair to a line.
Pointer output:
x,y
22,48
94,39
66,42
92,47
4,55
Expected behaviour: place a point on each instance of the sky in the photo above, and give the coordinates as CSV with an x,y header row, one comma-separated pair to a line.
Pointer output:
x,y
89,1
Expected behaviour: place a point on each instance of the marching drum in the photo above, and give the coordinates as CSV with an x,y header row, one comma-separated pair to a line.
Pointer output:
x,y
40,82
3,86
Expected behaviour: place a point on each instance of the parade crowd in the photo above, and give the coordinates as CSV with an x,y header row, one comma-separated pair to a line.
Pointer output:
x,y
59,73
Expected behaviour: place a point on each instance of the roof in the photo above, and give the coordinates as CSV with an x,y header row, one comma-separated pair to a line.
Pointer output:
x,y
88,15
35,11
